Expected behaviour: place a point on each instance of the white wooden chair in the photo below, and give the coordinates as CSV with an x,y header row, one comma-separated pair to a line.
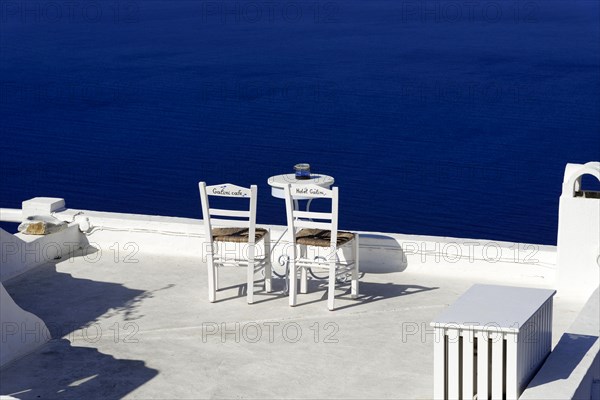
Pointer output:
x,y
236,227
318,229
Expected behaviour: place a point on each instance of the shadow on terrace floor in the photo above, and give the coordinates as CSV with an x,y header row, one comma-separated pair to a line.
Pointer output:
x,y
58,369
372,261
570,350
369,292
66,303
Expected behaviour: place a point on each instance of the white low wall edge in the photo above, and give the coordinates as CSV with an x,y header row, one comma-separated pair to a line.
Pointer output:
x,y
573,365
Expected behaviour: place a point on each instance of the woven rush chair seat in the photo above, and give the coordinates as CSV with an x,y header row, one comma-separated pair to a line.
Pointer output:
x,y
322,238
236,235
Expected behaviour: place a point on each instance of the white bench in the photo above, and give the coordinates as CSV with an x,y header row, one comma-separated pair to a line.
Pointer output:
x,y
491,342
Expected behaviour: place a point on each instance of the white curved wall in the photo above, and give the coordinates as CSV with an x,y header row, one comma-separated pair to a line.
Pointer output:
x,y
578,243
21,331
20,253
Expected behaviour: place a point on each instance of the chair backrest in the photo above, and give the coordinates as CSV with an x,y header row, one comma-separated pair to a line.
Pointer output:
x,y
229,218
298,219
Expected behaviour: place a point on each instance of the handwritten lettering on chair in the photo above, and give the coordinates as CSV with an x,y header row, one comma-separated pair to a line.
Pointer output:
x,y
310,191
228,190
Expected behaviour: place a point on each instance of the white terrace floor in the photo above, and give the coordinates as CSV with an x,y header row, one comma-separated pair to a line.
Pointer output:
x,y
145,336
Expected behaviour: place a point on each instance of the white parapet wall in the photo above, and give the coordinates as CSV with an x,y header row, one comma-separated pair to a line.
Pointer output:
x,y
20,253
382,252
574,364
490,261
578,242
21,331
41,206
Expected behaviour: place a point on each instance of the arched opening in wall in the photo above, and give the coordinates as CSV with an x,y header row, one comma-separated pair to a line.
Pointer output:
x,y
590,187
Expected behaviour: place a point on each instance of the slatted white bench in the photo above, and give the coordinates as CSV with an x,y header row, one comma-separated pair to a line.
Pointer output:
x,y
491,342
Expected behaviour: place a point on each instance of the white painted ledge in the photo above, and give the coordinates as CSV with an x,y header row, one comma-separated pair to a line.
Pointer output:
x,y
20,252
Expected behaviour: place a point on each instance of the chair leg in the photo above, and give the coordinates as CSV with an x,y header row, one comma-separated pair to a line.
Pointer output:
x,y
331,289
215,250
355,270
293,278
341,256
250,283
216,278
303,272
250,271
268,266
268,277
303,281
211,278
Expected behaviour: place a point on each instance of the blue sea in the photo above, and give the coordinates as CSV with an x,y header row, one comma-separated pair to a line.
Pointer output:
x,y
451,118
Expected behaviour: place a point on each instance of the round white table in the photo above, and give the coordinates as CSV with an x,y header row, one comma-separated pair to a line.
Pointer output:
x,y
278,182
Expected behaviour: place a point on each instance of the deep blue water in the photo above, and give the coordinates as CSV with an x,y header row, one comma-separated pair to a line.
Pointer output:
x,y
441,117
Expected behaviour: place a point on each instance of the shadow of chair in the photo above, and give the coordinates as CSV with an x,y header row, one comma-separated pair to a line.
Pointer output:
x,y
370,292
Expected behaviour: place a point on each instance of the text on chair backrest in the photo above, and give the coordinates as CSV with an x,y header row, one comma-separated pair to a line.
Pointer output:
x,y
228,190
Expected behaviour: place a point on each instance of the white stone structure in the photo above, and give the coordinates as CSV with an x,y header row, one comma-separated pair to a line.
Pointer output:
x,y
20,252
578,253
22,332
42,206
